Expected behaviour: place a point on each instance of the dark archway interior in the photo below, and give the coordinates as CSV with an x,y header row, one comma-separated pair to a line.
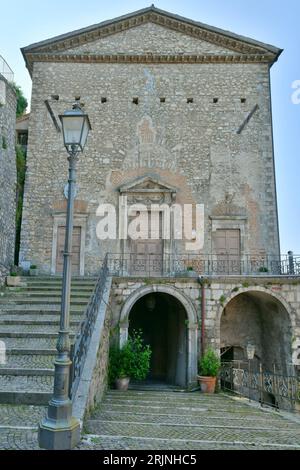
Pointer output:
x,y
162,319
259,318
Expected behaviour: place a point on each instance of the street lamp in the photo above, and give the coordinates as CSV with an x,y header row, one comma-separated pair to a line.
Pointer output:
x,y
59,430
250,351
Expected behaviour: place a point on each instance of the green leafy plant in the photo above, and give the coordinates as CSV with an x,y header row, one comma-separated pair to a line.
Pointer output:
x,y
132,360
33,266
222,299
263,269
209,364
190,268
14,271
21,100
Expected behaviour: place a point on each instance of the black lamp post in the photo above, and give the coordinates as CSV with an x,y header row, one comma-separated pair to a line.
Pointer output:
x,y
59,430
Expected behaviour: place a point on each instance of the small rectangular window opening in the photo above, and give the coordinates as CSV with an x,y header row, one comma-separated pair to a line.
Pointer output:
x,y
215,100
103,99
190,100
135,100
162,100
243,100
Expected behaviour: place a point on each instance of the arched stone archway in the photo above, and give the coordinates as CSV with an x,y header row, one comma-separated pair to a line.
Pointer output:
x,y
181,326
259,316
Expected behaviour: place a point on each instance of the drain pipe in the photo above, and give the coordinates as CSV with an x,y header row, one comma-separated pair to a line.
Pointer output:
x,y
203,313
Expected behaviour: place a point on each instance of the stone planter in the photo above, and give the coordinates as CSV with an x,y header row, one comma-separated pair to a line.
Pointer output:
x,y
122,384
191,274
13,281
207,384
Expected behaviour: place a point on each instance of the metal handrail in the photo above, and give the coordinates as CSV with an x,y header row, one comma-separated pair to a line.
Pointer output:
x,y
5,70
268,387
130,264
80,347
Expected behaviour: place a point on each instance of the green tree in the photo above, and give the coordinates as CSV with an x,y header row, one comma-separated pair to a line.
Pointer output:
x,y
21,100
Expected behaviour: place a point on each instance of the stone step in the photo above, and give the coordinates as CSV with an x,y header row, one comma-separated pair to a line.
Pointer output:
x,y
57,280
22,372
11,397
204,419
47,293
19,351
39,301
30,389
30,344
36,310
36,320
157,408
32,329
167,401
29,361
49,288
30,335
191,432
20,415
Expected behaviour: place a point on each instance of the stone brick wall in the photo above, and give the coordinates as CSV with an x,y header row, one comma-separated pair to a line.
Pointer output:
x,y
262,310
191,146
8,176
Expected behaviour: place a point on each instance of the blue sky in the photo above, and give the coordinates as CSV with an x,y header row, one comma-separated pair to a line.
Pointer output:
x,y
273,22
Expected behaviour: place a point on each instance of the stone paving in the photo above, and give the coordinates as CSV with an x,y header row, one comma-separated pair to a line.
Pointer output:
x,y
186,421
148,420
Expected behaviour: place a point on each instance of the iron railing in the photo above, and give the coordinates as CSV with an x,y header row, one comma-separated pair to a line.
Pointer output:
x,y
270,388
5,70
171,265
80,347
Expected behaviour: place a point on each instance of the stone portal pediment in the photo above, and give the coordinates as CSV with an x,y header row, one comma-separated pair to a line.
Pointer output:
x,y
148,190
147,184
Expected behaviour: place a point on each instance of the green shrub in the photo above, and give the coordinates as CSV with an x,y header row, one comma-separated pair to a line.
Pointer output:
x,y
132,360
33,266
190,268
263,269
209,364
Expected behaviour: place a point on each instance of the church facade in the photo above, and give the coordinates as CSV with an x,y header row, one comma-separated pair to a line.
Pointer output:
x,y
180,114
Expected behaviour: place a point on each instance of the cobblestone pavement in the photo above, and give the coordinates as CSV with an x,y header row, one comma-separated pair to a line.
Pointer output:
x,y
163,421
186,421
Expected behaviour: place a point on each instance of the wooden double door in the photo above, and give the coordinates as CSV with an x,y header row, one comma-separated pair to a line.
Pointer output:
x,y
76,244
227,248
146,254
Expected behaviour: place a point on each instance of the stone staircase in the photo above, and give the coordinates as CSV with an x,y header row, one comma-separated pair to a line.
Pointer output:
x,y
29,323
169,420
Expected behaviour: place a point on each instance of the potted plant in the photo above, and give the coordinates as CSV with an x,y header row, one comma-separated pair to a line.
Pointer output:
x,y
132,361
13,280
190,272
209,366
33,270
263,269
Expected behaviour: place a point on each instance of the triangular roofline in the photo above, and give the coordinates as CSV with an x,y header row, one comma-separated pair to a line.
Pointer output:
x,y
258,51
132,186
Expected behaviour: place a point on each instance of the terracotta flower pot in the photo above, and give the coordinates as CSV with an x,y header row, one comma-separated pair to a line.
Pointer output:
x,y
122,384
207,384
13,281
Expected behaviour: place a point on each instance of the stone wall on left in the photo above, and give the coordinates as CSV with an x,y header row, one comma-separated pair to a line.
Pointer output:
x,y
8,176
